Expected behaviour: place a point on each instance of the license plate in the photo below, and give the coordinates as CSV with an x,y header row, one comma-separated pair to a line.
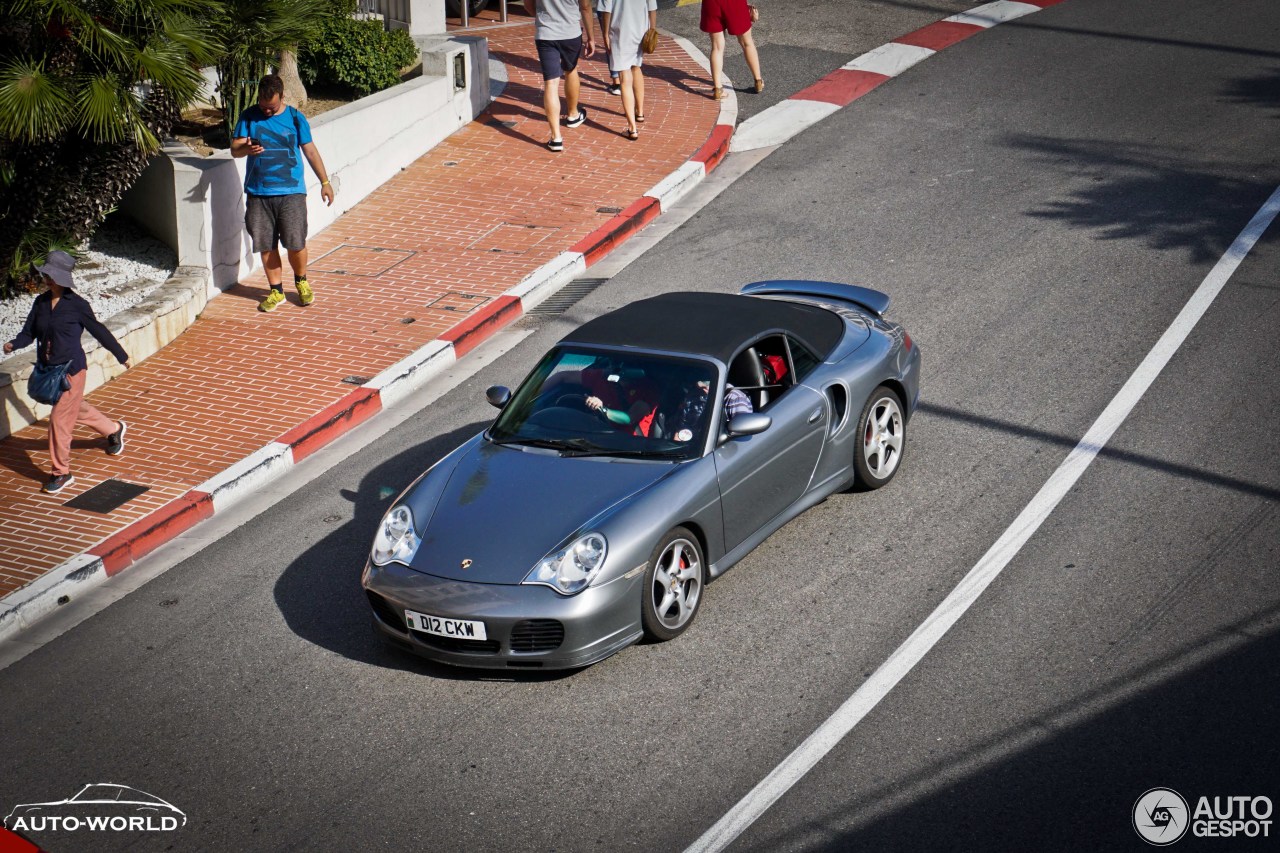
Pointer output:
x,y
459,629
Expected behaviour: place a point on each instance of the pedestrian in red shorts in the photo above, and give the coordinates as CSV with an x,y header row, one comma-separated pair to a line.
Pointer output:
x,y
736,17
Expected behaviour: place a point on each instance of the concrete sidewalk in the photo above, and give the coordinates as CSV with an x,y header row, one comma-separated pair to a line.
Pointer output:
x,y
460,243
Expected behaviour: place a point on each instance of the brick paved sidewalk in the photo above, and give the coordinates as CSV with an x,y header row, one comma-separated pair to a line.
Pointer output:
x,y
451,233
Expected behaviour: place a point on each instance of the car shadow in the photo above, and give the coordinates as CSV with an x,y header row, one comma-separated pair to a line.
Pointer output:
x,y
319,593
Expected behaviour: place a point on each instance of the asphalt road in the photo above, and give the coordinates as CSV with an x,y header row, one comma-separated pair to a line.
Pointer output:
x,y
1040,201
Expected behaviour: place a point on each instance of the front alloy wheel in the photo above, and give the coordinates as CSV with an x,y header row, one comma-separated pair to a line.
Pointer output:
x,y
882,439
672,585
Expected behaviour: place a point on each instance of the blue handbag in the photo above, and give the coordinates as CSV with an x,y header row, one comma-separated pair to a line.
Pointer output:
x,y
48,381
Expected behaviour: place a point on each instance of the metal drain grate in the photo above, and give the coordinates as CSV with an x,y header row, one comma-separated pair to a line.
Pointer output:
x,y
567,296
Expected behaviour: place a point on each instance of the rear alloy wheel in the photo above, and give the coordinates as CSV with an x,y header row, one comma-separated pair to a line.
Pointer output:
x,y
882,438
672,586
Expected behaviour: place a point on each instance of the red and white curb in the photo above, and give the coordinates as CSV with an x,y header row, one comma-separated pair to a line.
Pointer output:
x,y
20,609
858,77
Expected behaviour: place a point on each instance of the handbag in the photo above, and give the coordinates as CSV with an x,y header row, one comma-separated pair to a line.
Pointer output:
x,y
754,11
650,41
48,381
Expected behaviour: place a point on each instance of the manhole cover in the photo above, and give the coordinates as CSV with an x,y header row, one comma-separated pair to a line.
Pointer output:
x,y
461,303
107,496
369,261
513,239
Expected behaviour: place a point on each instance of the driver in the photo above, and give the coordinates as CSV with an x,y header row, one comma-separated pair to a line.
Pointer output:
x,y
626,402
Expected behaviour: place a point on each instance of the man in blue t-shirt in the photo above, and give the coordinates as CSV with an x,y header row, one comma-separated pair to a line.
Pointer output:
x,y
272,136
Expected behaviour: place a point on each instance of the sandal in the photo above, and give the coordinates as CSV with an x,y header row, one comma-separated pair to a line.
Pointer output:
x,y
632,133
640,118
555,145
759,85
718,94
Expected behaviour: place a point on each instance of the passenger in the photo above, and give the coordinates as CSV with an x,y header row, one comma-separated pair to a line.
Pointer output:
x,y
689,416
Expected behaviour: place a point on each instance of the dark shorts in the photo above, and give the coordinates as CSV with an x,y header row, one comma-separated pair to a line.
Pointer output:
x,y
277,220
721,15
558,58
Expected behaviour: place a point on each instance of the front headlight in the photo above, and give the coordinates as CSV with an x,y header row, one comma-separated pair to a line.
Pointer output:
x,y
396,539
571,569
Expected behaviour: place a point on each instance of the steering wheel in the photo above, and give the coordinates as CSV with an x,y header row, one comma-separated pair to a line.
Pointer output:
x,y
573,400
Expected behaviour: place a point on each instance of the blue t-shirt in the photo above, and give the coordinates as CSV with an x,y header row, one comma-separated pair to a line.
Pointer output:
x,y
278,169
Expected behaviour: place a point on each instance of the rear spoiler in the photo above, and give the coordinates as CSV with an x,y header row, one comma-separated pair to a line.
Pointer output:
x,y
864,297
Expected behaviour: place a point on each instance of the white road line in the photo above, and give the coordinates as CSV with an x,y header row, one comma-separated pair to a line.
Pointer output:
x,y
884,679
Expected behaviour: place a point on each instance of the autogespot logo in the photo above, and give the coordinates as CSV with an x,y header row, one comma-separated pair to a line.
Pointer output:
x,y
1160,816
104,807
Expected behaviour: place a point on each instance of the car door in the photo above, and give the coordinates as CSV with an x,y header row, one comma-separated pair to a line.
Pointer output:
x,y
761,475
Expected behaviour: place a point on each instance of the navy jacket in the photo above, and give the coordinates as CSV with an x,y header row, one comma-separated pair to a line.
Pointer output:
x,y
57,332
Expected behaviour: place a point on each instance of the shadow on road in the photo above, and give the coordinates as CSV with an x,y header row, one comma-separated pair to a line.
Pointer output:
x,y
319,593
1199,722
1151,193
1068,442
1264,90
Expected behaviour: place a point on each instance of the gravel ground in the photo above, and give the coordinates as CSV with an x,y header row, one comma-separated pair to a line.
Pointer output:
x,y
119,254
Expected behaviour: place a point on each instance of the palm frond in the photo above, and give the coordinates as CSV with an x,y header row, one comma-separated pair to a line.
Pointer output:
x,y
34,105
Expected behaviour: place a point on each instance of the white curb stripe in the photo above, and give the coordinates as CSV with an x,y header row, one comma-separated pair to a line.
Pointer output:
x,y
548,278
890,59
779,123
675,186
993,13
413,371
37,599
259,467
911,652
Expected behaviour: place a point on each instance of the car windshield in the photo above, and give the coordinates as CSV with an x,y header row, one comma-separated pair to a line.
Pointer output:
x,y
586,402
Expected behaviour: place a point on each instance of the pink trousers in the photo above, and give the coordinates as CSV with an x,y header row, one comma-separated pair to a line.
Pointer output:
x,y
70,410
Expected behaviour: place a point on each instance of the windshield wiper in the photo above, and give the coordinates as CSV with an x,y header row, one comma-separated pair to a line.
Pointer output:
x,y
568,447
579,447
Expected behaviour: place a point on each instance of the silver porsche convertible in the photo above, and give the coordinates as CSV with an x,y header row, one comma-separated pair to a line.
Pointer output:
x,y
645,454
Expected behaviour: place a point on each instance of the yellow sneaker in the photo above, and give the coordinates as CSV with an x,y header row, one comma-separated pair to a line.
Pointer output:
x,y
305,294
273,299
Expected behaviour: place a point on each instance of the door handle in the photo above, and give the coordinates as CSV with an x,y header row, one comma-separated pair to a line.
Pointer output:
x,y
816,416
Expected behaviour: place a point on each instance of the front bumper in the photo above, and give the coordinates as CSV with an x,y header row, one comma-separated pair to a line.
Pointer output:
x,y
522,623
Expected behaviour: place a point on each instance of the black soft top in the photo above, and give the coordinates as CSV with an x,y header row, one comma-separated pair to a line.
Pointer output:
x,y
710,324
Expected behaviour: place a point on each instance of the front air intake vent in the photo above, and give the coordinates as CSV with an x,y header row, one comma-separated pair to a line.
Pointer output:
x,y
537,635
387,614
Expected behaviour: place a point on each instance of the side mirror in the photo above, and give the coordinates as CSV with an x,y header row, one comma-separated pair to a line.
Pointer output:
x,y
498,395
751,423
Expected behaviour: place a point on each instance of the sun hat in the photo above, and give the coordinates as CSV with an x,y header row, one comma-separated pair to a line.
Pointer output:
x,y
58,267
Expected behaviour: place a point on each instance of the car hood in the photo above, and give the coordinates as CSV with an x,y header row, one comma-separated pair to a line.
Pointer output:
x,y
504,509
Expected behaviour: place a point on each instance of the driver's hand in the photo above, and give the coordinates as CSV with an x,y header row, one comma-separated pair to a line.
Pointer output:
x,y
595,404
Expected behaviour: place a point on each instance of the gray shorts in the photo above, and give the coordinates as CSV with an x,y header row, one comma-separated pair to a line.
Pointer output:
x,y
277,219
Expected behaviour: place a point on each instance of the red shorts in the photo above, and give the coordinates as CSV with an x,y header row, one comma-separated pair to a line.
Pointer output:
x,y
731,15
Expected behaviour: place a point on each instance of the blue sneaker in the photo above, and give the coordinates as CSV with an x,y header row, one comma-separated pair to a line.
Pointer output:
x,y
57,484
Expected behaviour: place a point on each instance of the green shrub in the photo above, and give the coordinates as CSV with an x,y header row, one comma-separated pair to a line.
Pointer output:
x,y
359,56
